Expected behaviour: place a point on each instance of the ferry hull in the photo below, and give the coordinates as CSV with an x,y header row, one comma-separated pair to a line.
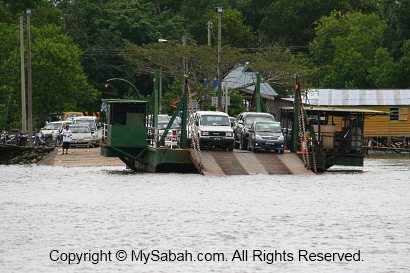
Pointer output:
x,y
154,160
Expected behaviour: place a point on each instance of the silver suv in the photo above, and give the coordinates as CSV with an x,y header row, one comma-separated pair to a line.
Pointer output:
x,y
244,121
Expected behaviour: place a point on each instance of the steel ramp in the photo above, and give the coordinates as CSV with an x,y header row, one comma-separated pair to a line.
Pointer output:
x,y
240,162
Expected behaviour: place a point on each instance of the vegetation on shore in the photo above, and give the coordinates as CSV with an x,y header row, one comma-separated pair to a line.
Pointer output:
x,y
79,44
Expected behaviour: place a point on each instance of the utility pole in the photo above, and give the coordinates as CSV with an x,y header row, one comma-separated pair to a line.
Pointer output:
x,y
23,79
209,33
160,90
184,61
29,83
160,79
219,10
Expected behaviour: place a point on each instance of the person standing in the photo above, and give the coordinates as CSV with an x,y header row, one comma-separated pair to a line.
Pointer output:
x,y
66,133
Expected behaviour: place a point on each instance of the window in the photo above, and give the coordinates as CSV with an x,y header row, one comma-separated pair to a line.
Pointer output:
x,y
394,113
403,114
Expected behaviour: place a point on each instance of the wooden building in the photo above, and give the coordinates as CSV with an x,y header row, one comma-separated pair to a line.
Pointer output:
x,y
384,130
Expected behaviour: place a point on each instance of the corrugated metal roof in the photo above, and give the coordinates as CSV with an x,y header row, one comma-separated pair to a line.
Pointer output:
x,y
239,77
338,110
357,97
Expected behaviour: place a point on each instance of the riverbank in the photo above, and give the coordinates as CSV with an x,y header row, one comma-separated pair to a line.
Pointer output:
x,y
80,157
13,154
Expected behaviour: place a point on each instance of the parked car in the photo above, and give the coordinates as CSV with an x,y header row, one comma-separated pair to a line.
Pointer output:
x,y
92,123
81,136
214,130
173,132
53,129
232,120
71,115
243,123
266,135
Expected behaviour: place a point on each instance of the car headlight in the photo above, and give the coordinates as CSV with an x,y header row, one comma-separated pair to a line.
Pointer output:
x,y
258,137
205,133
281,138
229,134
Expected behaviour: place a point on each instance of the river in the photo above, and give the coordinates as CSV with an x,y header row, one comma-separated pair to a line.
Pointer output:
x,y
97,217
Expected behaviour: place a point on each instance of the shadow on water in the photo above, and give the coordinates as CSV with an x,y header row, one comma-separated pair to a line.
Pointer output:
x,y
344,171
122,172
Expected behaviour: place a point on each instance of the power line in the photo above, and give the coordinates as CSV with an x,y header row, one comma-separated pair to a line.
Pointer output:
x,y
116,51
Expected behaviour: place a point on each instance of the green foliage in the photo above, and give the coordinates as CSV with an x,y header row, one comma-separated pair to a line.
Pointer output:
x,y
57,71
396,14
9,76
100,27
403,79
382,73
292,22
172,93
234,31
58,79
348,50
236,106
356,44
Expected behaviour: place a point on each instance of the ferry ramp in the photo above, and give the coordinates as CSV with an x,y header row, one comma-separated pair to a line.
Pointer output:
x,y
238,162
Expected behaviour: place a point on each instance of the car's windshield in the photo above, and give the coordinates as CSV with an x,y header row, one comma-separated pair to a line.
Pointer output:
x,y
82,129
268,127
213,120
251,119
89,122
73,115
53,126
163,118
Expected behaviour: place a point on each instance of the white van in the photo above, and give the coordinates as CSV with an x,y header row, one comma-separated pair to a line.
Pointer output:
x,y
92,123
214,130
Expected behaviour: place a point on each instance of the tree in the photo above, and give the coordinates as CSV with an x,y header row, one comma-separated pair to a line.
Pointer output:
x,y
396,14
234,32
345,48
58,79
276,66
59,82
403,71
100,27
9,79
382,73
292,22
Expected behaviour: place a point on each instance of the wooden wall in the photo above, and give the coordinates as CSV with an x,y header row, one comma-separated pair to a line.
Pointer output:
x,y
382,126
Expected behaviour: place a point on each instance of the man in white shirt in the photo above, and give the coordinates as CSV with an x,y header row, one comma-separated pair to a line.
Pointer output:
x,y
66,133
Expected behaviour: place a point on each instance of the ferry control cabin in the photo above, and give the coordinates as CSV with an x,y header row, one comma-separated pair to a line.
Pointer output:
x,y
128,136
338,134
125,123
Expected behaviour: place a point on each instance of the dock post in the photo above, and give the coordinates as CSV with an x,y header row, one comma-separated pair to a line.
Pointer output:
x,y
295,125
155,113
184,135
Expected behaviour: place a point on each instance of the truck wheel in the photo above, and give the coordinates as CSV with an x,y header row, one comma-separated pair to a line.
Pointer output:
x,y
244,143
230,148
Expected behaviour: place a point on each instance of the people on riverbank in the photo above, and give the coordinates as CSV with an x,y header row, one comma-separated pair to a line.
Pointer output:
x,y
66,133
